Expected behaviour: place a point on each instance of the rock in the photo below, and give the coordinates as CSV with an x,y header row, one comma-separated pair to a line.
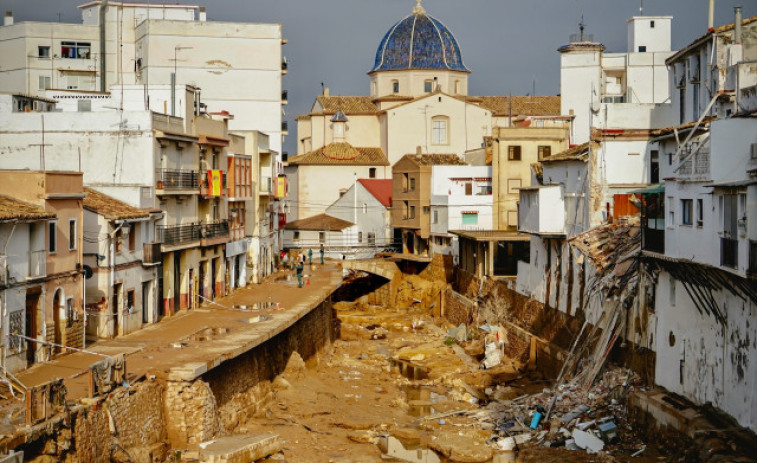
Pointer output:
x,y
461,449
365,436
295,367
281,384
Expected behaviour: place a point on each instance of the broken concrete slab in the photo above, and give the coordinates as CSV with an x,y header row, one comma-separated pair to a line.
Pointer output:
x,y
188,371
241,448
588,441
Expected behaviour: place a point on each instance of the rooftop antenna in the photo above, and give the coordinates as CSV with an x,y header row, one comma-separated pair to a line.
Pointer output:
x,y
641,7
581,27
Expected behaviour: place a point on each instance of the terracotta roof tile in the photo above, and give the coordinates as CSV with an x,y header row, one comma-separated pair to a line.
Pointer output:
x,y
436,159
111,208
522,105
341,154
577,153
381,189
347,104
320,222
15,209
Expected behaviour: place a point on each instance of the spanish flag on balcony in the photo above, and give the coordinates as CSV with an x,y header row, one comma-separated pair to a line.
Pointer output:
x,y
214,183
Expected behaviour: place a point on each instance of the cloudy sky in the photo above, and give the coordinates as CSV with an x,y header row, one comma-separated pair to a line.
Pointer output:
x,y
508,44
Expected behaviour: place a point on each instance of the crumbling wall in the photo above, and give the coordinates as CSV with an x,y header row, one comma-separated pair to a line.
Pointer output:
x,y
92,435
458,308
190,411
242,387
138,420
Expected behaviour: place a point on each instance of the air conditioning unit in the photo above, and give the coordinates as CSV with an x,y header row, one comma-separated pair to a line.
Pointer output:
x,y
753,151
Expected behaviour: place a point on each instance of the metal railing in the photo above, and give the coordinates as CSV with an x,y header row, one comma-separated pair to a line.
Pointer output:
x,y
177,179
177,234
215,229
729,252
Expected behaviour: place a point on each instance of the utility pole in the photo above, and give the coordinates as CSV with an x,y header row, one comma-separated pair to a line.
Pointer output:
x,y
42,146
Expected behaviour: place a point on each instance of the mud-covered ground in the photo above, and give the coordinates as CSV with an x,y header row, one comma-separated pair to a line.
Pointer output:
x,y
358,402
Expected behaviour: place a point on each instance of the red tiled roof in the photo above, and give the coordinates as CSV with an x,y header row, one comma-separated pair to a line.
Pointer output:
x,y
380,189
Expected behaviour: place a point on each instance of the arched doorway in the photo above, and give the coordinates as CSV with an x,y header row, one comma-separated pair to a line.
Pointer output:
x,y
58,320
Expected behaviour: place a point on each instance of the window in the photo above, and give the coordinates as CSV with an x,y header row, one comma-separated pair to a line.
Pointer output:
x,y
700,212
642,48
321,237
130,301
412,212
75,50
69,312
359,237
687,209
132,236
513,152
545,151
43,52
296,236
119,240
470,218
405,181
372,172
484,190
45,82
428,86
412,183
468,188
651,24
436,216
426,210
672,292
671,213
682,105
371,238
439,131
513,185
52,232
695,100
654,171
395,86
72,234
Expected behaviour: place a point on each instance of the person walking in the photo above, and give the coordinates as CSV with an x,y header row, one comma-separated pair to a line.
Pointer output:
x,y
300,266
322,252
310,257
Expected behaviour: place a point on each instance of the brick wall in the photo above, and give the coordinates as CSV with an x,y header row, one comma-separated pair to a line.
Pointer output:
x,y
74,334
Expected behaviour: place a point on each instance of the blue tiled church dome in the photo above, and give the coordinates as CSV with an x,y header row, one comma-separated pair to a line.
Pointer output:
x,y
418,42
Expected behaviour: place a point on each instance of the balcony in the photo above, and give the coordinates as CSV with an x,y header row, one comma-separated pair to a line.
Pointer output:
x,y
151,254
285,127
542,210
284,97
265,186
214,233
729,252
170,180
205,190
172,235
37,263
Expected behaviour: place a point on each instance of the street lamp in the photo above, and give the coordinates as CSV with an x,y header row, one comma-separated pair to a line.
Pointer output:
x,y
173,77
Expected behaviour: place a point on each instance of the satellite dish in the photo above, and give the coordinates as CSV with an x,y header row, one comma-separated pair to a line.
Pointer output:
x,y
87,272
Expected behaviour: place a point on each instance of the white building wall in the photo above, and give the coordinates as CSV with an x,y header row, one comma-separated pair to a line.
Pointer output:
x,y
367,213
703,360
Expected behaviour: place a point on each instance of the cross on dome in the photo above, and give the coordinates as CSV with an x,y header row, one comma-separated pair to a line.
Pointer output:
x,y
418,8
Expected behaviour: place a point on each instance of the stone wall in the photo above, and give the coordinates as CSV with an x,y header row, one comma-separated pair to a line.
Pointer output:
x,y
242,387
458,308
139,423
92,435
190,411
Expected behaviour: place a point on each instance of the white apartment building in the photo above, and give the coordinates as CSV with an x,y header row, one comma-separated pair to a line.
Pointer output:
x,y
698,227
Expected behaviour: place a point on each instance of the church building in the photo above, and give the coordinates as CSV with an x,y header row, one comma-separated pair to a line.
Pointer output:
x,y
418,103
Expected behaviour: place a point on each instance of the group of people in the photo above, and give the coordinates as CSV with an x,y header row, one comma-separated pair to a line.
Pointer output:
x,y
299,262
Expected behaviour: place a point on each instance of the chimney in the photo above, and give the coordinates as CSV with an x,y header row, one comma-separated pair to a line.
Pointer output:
x,y
203,14
8,21
737,25
326,91
418,149
711,16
